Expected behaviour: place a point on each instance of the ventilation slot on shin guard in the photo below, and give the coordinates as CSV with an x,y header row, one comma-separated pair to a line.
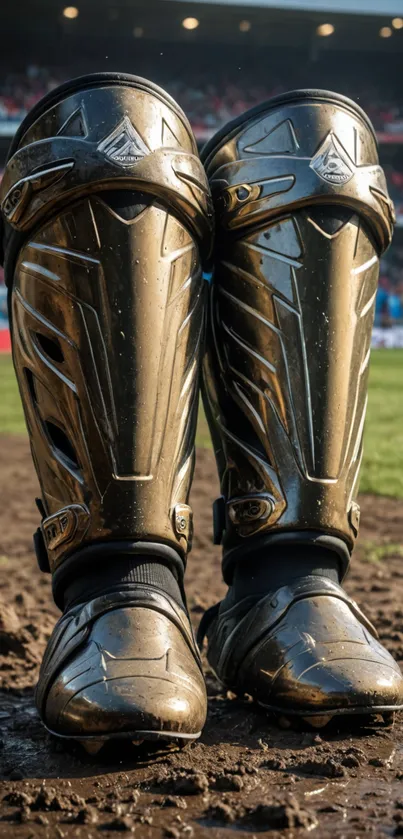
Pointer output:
x,y
127,204
31,384
61,444
242,428
330,218
50,347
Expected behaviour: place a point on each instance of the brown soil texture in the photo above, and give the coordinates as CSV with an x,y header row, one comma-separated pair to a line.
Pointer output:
x,y
246,776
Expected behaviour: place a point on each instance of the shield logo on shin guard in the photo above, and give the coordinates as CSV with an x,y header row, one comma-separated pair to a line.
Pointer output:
x,y
331,162
124,145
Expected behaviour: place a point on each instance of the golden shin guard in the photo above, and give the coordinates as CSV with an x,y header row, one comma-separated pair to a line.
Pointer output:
x,y
107,218
303,217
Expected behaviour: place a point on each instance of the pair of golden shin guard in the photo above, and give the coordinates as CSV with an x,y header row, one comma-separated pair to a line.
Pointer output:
x,y
107,224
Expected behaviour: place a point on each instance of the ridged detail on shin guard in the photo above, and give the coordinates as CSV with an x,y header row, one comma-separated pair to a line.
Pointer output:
x,y
112,208
303,216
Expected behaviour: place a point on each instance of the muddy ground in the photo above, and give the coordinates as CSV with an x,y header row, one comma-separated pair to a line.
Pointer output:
x,y
245,774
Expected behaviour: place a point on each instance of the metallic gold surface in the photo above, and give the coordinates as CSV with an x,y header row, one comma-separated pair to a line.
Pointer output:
x,y
305,651
107,215
122,666
113,211
303,217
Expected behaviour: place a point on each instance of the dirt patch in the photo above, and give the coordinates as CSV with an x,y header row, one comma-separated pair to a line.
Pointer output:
x,y
246,774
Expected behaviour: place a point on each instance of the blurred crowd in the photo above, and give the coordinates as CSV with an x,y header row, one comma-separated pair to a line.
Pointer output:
x,y
209,102
389,299
209,105
389,303
20,91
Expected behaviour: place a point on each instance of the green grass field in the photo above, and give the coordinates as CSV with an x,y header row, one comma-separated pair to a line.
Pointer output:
x,y
11,418
382,471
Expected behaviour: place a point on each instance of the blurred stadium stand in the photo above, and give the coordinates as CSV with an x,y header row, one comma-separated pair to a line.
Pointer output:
x,y
219,59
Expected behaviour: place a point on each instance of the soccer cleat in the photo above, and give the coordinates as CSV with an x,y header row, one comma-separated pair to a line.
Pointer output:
x,y
305,652
123,666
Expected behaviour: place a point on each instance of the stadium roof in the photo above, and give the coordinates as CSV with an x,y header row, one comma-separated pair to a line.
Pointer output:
x,y
35,27
367,7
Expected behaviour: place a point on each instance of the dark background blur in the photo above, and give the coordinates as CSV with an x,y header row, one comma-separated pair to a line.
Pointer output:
x,y
217,60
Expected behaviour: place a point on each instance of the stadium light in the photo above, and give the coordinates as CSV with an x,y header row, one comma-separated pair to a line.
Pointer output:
x,y
70,12
385,32
397,23
245,26
325,29
190,23
138,31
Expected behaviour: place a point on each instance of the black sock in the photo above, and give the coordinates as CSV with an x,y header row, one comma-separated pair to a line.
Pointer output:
x,y
122,574
261,573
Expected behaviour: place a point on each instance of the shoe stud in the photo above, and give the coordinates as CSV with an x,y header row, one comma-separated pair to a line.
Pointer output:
x,y
92,747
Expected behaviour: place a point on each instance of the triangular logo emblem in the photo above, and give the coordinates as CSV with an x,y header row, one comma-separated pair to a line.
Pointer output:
x,y
124,145
332,163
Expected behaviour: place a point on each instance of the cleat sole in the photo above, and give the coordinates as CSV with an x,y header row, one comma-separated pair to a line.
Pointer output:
x,y
356,717
93,745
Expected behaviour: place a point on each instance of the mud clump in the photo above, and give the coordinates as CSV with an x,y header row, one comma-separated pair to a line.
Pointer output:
x,y
275,815
196,784
221,813
48,798
229,783
173,801
182,783
275,764
179,831
11,640
41,819
121,824
328,768
350,762
279,816
19,799
87,815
